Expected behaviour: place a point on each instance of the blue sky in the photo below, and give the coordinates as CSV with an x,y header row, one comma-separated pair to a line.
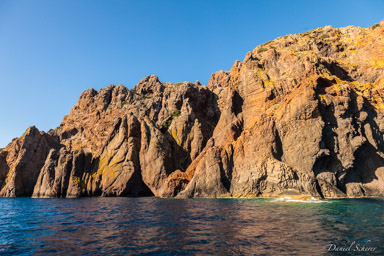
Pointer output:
x,y
51,51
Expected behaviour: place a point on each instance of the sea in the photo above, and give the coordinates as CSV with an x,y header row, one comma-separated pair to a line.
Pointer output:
x,y
155,226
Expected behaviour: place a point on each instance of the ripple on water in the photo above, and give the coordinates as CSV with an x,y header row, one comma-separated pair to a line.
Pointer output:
x,y
153,226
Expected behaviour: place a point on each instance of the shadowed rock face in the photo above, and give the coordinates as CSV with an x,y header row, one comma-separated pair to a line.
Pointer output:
x,y
120,142
301,115
22,160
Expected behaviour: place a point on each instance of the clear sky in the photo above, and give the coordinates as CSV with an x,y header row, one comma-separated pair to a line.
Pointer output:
x,y
50,51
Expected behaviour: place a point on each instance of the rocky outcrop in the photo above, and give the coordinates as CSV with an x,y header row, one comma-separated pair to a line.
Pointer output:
x,y
120,142
300,115
22,160
54,176
310,105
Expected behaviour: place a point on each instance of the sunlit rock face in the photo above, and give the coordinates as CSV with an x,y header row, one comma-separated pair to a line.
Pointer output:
x,y
301,115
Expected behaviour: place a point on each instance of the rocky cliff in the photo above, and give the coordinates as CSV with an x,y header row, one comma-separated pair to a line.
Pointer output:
x,y
300,115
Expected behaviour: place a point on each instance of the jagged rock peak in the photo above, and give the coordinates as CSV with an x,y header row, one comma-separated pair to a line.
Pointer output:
x,y
300,115
149,85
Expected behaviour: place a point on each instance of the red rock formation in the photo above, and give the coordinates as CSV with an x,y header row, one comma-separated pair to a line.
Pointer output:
x,y
21,162
301,115
308,119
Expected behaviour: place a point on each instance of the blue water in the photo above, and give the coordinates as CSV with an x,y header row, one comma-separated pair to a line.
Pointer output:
x,y
153,226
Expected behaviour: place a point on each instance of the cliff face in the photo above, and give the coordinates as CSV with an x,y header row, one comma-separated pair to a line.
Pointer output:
x,y
22,160
301,115
308,119
120,142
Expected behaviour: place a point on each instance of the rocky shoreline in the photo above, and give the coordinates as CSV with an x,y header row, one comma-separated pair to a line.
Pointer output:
x,y
302,116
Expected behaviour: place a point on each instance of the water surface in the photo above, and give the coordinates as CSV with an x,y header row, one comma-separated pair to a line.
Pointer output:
x,y
154,226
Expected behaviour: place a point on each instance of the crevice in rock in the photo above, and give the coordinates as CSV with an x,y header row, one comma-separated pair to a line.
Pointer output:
x,y
226,173
318,188
237,103
181,158
277,151
322,84
335,69
367,161
377,135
